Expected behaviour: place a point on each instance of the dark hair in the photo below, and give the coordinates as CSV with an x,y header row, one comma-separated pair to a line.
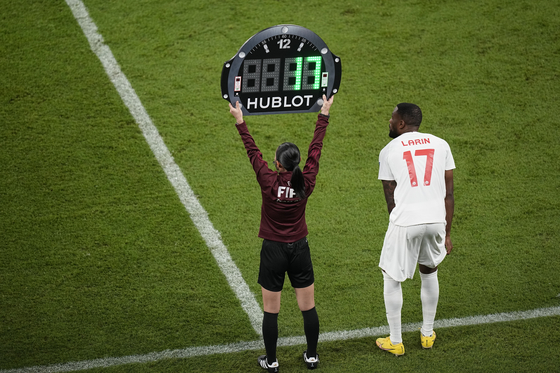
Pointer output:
x,y
410,113
288,155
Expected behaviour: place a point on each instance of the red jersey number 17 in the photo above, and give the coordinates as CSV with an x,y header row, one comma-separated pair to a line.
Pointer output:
x,y
407,156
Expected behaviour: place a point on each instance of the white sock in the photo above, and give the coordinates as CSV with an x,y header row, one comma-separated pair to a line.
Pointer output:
x,y
429,294
392,293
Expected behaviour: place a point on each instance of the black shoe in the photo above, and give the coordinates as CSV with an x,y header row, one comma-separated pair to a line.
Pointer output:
x,y
311,362
263,363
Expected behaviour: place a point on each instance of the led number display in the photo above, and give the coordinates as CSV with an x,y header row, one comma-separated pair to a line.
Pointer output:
x,y
283,69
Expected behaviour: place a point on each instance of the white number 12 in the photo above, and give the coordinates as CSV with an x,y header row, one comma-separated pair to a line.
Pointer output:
x,y
284,43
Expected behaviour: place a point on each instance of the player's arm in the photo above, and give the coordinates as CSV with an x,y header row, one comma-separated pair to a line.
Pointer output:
x,y
389,190
449,208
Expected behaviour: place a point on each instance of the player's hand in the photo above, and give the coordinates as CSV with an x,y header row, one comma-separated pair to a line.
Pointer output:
x,y
326,105
236,112
448,244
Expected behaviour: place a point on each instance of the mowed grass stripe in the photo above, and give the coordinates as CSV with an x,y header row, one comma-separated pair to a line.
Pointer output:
x,y
282,342
198,215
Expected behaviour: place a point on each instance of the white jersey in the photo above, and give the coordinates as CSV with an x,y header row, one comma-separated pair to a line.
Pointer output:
x,y
417,162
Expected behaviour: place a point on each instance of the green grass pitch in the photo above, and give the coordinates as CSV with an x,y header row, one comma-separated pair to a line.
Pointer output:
x,y
99,258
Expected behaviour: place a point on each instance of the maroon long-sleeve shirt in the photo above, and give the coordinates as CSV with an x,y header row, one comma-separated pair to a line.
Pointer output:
x,y
282,213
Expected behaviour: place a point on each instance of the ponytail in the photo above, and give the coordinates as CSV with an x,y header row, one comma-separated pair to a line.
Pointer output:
x,y
298,182
288,155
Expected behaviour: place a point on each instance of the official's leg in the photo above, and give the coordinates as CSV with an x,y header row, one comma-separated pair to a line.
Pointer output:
x,y
271,305
271,300
305,297
303,281
273,265
306,302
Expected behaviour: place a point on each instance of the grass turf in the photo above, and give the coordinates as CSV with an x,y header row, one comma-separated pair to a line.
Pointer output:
x,y
99,257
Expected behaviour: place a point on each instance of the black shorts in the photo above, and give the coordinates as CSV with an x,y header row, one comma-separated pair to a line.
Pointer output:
x,y
277,258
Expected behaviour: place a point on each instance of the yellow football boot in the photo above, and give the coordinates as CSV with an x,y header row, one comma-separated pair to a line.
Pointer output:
x,y
385,344
427,342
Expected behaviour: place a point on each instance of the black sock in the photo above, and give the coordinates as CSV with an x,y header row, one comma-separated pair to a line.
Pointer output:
x,y
311,328
270,335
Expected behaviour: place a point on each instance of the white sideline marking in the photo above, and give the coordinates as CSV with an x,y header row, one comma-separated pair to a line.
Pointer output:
x,y
213,240
286,341
198,215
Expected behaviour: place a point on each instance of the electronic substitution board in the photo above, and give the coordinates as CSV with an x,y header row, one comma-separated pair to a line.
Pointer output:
x,y
282,69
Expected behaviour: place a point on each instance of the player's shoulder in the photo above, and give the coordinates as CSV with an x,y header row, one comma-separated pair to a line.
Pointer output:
x,y
434,138
387,148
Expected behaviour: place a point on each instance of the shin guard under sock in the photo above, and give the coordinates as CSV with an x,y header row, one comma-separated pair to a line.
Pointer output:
x,y
392,293
270,335
311,328
429,294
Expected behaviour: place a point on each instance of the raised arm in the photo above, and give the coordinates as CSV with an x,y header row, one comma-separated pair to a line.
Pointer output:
x,y
326,105
236,112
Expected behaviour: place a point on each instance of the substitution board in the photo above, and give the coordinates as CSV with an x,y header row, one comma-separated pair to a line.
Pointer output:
x,y
282,69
